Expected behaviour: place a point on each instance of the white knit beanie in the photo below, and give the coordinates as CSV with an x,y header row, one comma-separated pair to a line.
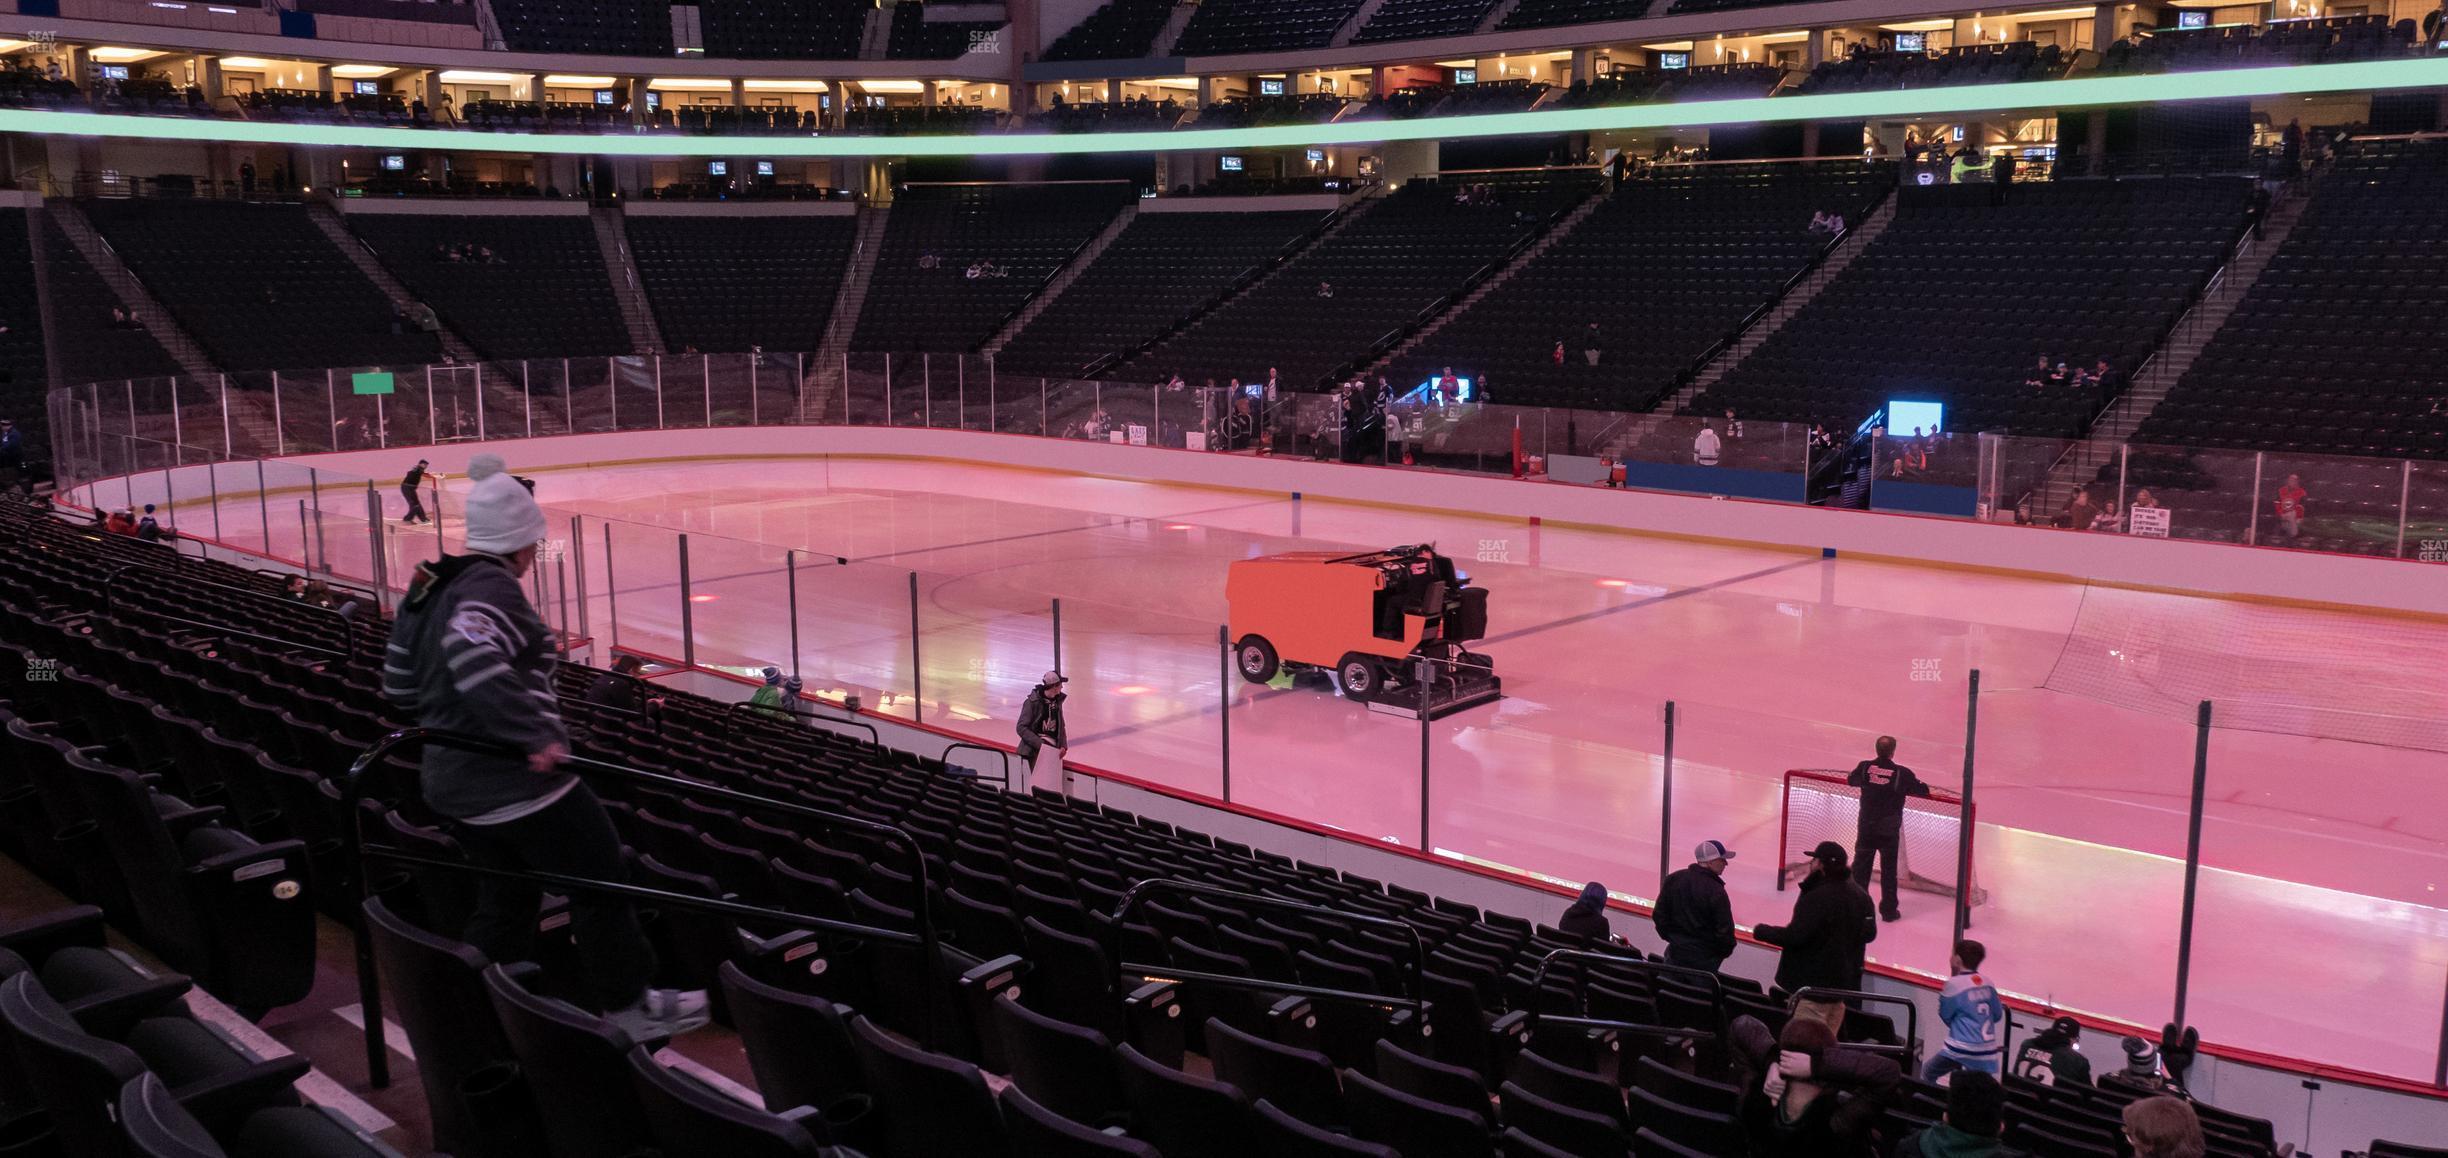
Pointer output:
x,y
499,515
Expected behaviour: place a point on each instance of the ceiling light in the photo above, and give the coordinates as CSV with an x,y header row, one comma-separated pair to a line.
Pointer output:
x,y
564,80
893,87
1670,46
1939,25
245,63
122,55
475,76
787,86
361,71
689,84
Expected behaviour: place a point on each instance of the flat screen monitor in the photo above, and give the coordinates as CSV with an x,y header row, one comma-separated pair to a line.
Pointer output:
x,y
765,169
1904,417
366,88
718,168
1270,87
114,72
1912,42
394,163
1229,163
1427,388
2195,18
1674,60
1466,76
603,96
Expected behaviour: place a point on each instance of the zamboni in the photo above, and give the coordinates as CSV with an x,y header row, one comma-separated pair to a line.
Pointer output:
x,y
1366,620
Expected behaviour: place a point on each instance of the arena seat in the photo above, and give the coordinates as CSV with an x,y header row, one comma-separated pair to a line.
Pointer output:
x,y
1395,260
1182,1115
474,1090
1667,266
258,285
912,36
157,1125
1236,26
1412,19
783,29
570,1059
1158,269
1300,1082
1416,1127
1551,13
728,284
542,293
686,1116
2104,269
1037,1132
956,260
90,347
1117,30
1571,1130
931,1104
614,27
1068,1069
77,1076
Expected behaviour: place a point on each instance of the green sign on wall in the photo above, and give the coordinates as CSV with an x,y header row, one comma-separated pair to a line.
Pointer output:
x,y
371,382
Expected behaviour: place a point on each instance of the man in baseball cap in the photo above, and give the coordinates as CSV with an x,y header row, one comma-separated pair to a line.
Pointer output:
x,y
1043,736
1693,915
1832,927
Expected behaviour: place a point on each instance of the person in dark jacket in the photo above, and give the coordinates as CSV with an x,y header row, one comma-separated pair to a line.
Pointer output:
x,y
1833,924
1586,917
1975,1117
410,483
1043,735
1693,914
620,688
2054,1056
469,654
149,528
1804,1096
1879,823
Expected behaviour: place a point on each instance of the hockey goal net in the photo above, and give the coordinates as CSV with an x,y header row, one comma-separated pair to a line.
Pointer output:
x,y
1819,806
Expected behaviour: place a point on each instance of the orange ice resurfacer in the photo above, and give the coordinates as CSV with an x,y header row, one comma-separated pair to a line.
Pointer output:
x,y
1388,626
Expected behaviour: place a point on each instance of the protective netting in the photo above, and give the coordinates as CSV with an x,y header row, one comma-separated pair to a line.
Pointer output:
x,y
2371,679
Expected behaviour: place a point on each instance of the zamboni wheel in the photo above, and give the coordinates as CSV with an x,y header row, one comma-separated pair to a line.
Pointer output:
x,y
1256,659
1360,677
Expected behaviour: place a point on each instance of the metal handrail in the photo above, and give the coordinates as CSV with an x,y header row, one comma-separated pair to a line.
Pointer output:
x,y
348,628
1716,990
991,751
352,797
1911,1046
796,713
1417,1001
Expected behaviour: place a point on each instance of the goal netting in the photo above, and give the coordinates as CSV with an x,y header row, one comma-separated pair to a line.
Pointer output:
x,y
1819,806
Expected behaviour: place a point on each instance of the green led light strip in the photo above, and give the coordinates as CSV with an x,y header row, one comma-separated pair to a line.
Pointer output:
x,y
2047,95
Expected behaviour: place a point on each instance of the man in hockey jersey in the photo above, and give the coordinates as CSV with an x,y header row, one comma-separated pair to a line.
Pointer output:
x,y
1974,1016
1884,785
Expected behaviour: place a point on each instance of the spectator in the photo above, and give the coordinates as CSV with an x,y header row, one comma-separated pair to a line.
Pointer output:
x,y
1974,1016
1693,915
410,484
246,179
318,593
120,522
1975,1115
469,654
12,456
1558,356
2145,501
1449,388
620,688
2291,498
147,528
1706,444
1590,344
1733,425
772,698
2108,519
2164,1127
1823,946
1586,917
2079,513
1804,1096
1884,785
2038,377
2105,382
1325,289
1820,439
295,588
2054,1057
1044,737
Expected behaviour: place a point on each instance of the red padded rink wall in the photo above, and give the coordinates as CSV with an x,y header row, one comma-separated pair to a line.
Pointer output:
x,y
2317,908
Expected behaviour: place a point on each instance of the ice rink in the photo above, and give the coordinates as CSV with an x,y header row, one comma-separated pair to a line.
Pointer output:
x,y
2319,934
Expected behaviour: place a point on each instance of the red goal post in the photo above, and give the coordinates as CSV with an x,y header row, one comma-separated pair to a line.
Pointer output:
x,y
1818,805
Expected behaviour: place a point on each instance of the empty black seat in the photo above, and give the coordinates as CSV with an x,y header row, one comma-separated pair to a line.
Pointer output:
x,y
687,1117
931,1104
1184,1116
1038,1132
1415,1126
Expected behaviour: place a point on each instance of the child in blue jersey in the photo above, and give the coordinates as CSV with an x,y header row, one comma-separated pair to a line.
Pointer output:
x,y
1974,1016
